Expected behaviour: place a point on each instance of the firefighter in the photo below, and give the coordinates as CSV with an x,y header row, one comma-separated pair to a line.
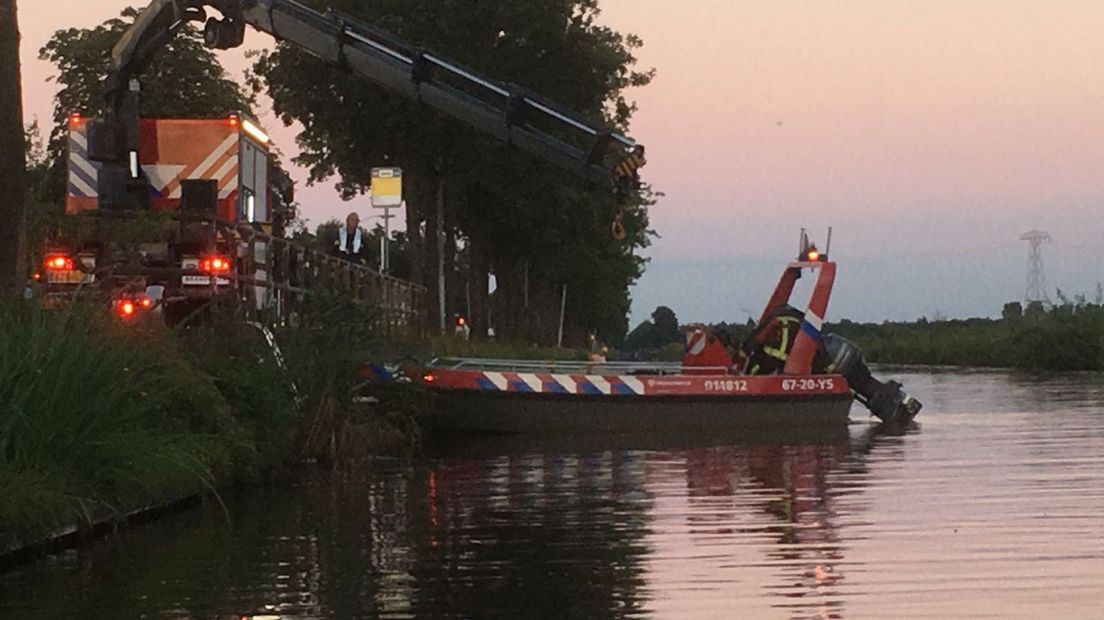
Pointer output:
x,y
765,350
349,242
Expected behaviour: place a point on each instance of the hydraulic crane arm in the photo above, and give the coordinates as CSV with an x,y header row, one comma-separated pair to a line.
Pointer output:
x,y
505,111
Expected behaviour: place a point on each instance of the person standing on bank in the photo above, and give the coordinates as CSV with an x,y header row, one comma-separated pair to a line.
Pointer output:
x,y
350,245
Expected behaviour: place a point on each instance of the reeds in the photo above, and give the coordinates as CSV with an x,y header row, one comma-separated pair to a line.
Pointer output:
x,y
99,418
96,419
341,419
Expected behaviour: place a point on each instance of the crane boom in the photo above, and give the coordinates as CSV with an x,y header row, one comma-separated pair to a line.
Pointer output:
x,y
506,111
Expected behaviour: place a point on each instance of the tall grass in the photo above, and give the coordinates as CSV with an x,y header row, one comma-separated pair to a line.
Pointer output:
x,y
96,419
342,420
99,418
256,387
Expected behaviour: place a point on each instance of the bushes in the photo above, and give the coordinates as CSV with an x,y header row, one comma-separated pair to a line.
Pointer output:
x,y
1065,338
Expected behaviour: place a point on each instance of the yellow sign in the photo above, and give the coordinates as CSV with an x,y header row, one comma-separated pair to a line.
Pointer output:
x,y
386,187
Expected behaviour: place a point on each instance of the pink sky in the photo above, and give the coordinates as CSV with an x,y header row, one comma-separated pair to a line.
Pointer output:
x,y
935,128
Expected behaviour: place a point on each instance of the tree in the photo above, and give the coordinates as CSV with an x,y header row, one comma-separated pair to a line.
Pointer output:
x,y
40,211
536,228
641,338
661,330
13,148
667,326
183,80
1011,311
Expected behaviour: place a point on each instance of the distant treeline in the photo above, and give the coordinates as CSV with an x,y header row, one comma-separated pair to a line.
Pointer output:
x,y
1069,336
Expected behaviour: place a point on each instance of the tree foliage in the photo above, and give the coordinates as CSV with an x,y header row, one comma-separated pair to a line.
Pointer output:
x,y
1012,310
536,228
654,334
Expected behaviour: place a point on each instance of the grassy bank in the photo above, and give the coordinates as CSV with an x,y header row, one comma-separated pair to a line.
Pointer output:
x,y
1068,337
98,418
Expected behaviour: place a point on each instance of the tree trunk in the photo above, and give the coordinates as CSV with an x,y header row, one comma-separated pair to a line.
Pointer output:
x,y
13,162
544,302
453,285
510,312
477,283
414,210
429,265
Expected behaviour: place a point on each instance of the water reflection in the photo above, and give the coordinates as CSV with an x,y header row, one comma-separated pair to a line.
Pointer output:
x,y
762,515
992,511
511,533
534,536
624,532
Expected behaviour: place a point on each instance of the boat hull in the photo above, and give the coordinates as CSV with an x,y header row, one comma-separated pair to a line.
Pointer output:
x,y
519,412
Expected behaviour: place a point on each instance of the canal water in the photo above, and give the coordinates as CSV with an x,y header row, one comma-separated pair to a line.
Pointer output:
x,y
993,507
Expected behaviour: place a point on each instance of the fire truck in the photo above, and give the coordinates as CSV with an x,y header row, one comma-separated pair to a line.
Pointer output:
x,y
222,160
206,177
210,177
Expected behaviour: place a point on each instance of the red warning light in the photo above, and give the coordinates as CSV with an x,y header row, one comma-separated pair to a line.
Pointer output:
x,y
233,120
58,262
75,119
215,264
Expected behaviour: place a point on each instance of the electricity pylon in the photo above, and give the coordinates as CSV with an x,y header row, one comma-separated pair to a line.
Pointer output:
x,y
1036,278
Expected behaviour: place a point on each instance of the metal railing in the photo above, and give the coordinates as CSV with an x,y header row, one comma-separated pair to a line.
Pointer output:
x,y
272,276
282,273
570,366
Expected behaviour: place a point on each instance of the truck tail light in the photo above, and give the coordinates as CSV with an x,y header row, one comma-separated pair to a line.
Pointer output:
x,y
58,262
131,306
215,265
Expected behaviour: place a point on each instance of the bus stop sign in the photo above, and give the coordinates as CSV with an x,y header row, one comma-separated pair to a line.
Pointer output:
x,y
386,187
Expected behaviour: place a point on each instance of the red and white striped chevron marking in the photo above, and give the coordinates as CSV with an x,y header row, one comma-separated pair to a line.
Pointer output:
x,y
638,385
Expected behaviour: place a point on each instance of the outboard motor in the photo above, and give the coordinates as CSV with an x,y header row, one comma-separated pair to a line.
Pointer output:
x,y
884,399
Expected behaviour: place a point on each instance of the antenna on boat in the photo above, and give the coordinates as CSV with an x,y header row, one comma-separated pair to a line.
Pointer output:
x,y
828,243
802,242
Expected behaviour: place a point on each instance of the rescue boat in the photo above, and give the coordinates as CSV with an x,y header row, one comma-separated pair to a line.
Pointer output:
x,y
814,386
